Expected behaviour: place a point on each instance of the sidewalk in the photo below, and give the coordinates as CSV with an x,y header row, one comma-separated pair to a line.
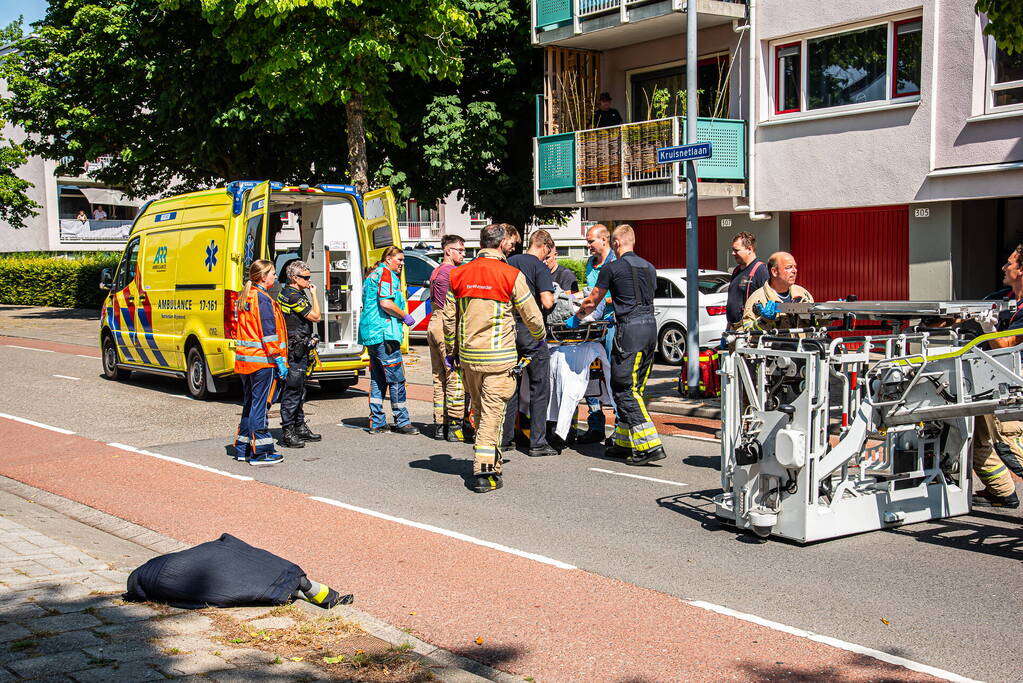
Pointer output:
x,y
61,616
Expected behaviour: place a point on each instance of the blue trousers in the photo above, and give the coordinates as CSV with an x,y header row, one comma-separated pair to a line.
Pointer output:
x,y
387,373
253,434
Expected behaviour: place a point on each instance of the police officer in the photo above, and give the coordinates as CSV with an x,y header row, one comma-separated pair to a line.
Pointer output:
x,y
631,282
300,313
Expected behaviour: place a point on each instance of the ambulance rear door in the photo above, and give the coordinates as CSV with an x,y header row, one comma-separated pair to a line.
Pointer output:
x,y
379,231
254,247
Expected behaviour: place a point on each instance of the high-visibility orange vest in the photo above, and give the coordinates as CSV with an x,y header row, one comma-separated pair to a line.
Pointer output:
x,y
254,349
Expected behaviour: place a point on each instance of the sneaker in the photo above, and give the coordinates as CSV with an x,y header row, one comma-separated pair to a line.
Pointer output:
x,y
590,437
616,451
382,429
642,458
266,459
408,430
241,458
455,434
440,431
485,483
542,451
307,434
985,499
290,438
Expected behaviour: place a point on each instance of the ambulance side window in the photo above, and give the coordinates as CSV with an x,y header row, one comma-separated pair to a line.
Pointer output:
x,y
126,273
253,240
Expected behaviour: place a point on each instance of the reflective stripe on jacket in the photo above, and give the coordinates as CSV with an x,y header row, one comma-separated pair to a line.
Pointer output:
x,y
477,313
262,334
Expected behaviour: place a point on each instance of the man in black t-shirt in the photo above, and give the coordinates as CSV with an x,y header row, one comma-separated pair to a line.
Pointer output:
x,y
562,276
749,275
538,277
606,115
631,282
301,312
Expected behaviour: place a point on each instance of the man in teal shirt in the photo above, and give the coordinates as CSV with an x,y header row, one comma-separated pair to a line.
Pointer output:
x,y
598,239
381,332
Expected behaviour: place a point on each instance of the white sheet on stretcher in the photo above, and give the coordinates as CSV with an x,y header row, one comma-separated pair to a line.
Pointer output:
x,y
570,375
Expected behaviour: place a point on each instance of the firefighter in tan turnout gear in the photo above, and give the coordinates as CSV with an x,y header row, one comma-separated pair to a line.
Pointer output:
x,y
479,333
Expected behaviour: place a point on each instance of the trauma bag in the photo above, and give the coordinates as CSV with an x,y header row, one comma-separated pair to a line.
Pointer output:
x,y
710,382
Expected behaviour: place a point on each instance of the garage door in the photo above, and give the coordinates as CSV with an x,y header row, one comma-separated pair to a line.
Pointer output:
x,y
853,251
663,242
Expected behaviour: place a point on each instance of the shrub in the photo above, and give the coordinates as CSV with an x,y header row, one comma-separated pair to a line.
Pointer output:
x,y
54,281
577,266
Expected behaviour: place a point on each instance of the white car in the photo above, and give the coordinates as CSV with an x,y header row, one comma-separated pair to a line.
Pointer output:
x,y
670,311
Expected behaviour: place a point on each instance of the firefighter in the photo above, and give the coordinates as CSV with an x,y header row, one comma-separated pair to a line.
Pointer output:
x,y
448,395
631,282
479,333
761,310
260,360
301,312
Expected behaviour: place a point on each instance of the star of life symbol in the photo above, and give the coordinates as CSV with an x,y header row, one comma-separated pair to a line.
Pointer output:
x,y
211,255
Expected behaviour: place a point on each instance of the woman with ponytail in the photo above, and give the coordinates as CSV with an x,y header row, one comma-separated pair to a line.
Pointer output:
x,y
260,358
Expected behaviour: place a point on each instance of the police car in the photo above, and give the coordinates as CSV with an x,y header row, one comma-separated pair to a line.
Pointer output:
x,y
419,265
670,311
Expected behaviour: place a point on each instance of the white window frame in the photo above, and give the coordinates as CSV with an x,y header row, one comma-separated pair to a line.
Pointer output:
x,y
803,112
991,87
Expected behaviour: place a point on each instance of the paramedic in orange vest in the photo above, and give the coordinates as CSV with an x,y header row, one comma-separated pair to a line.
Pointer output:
x,y
749,275
260,358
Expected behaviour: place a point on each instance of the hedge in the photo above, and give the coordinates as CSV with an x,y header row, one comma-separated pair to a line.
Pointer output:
x,y
577,266
54,281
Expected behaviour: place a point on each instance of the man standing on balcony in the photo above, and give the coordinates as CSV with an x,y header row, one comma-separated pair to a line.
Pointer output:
x,y
598,239
448,394
749,275
606,115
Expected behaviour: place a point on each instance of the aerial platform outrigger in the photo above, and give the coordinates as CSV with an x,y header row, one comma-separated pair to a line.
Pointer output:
x,y
827,433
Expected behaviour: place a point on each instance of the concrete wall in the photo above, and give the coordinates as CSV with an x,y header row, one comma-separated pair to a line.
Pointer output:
x,y
772,235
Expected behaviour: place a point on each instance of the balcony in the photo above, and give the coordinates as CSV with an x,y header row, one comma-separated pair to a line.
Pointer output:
x,y
74,230
608,24
416,231
606,166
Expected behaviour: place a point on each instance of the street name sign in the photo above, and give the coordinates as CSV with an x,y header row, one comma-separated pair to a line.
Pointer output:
x,y
671,155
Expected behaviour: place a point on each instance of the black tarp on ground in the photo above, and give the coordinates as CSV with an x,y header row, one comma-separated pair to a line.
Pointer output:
x,y
227,572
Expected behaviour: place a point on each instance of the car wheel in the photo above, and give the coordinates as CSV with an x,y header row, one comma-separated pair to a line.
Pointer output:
x,y
671,344
195,374
109,354
336,386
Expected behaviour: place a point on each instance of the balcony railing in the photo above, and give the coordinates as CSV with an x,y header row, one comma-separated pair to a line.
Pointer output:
x,y
74,230
551,14
419,230
627,154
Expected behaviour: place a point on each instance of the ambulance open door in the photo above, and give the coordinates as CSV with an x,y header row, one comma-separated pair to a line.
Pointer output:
x,y
254,245
379,231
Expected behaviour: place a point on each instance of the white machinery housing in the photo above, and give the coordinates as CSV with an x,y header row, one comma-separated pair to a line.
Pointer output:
x,y
827,432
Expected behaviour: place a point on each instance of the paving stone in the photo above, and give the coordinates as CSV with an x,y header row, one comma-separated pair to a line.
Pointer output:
x,y
272,622
246,656
270,674
9,632
191,644
182,624
50,664
124,651
80,604
129,672
247,613
72,640
65,622
187,665
121,614
15,611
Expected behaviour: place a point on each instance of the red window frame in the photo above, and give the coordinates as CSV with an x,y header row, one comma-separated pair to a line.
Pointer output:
x,y
895,56
778,77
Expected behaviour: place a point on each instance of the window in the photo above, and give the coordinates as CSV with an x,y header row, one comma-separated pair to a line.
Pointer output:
x,y
666,289
478,220
879,64
126,273
414,212
253,242
711,74
417,271
1006,77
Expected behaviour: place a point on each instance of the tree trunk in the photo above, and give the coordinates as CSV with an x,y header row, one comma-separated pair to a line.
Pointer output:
x,y
358,164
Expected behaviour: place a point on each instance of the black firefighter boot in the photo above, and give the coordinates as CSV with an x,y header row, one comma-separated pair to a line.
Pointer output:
x,y
290,438
303,432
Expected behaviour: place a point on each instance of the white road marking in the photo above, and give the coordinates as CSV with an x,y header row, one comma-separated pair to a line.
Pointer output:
x,y
68,377
168,458
638,476
36,424
82,355
187,398
29,348
445,532
695,438
835,642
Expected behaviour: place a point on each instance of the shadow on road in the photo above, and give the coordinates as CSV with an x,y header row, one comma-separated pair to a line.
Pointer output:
x,y
712,462
35,313
442,463
855,667
971,533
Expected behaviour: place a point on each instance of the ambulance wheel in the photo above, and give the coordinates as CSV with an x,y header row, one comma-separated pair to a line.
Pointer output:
x,y
110,369
671,344
195,374
336,386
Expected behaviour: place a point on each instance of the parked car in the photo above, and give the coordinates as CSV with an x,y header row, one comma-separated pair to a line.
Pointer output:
x,y
670,311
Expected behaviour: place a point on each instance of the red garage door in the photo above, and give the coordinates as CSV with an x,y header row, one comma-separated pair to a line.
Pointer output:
x,y
853,251
663,242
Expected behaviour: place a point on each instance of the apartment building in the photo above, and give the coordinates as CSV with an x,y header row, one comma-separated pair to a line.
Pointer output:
x,y
879,142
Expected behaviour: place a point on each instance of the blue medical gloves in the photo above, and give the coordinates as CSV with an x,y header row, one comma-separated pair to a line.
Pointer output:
x,y
769,311
409,320
282,367
573,322
450,362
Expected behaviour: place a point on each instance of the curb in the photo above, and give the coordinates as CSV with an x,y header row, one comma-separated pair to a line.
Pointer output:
x,y
445,665
685,409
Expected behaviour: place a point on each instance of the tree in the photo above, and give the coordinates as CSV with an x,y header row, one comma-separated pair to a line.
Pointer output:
x,y
15,205
158,91
1005,23
298,52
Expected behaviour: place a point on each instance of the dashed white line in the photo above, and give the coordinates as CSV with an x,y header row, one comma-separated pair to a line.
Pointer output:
x,y
638,476
29,348
445,532
36,424
68,377
187,398
179,461
835,642
82,355
696,438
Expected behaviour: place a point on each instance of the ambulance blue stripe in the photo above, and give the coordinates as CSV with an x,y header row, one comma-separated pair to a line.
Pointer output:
x,y
118,337
150,339
133,336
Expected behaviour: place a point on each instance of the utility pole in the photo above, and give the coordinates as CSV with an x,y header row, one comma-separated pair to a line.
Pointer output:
x,y
692,212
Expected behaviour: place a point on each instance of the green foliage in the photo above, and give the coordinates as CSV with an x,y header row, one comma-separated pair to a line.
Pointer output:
x,y
15,204
1005,23
577,266
54,281
13,31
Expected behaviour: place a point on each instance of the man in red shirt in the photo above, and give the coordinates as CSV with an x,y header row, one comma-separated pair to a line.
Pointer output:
x,y
448,394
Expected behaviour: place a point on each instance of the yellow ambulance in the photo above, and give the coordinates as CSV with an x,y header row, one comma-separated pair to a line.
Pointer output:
x,y
171,303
